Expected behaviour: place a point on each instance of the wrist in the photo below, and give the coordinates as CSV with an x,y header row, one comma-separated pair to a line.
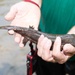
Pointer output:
x,y
35,2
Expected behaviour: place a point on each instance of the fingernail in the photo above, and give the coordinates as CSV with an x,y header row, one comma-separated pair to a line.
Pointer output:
x,y
58,38
11,32
42,35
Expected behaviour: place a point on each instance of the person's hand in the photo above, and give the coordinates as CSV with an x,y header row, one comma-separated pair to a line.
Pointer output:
x,y
43,47
55,55
61,56
23,14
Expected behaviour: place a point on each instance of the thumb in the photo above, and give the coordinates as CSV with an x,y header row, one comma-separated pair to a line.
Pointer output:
x,y
11,14
68,48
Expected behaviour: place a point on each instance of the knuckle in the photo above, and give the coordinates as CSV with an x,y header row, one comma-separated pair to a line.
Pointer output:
x,y
61,62
45,57
38,53
55,55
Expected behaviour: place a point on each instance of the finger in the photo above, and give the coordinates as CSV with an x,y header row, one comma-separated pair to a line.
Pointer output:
x,y
21,43
51,59
63,58
11,14
39,45
46,55
39,40
68,48
11,32
17,38
56,47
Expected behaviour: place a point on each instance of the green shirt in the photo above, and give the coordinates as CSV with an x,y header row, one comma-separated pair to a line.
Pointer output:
x,y
58,16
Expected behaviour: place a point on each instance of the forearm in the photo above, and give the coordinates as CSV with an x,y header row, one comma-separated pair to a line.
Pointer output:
x,y
72,30
39,2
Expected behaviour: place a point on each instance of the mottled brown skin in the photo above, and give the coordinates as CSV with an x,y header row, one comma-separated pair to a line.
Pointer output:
x,y
32,35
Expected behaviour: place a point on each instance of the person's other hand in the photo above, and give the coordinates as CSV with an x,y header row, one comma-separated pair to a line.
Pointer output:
x,y
64,54
43,46
55,55
23,14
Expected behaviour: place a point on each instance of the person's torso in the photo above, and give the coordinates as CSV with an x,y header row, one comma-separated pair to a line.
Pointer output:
x,y
58,16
